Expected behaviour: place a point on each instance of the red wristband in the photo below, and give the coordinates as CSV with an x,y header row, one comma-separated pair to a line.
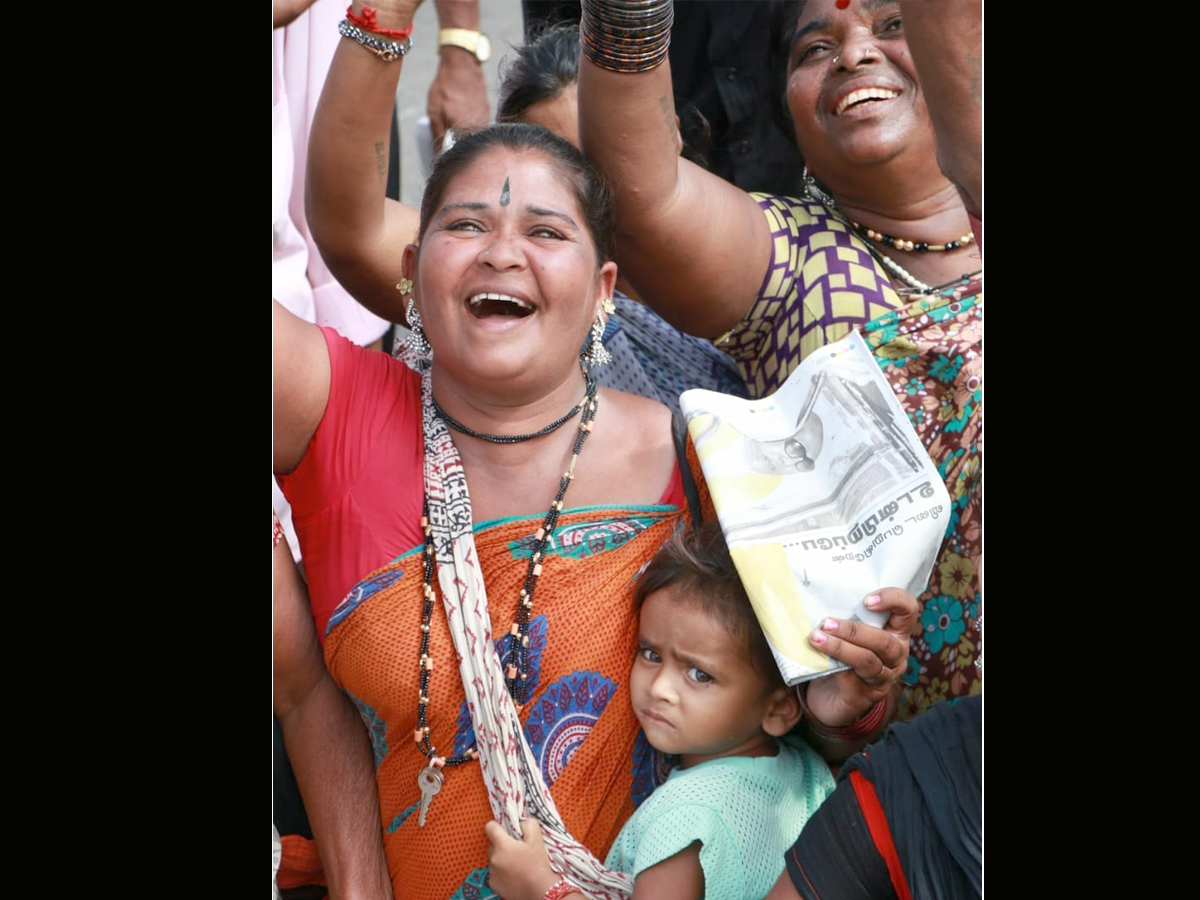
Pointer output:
x,y
561,890
276,530
865,725
368,22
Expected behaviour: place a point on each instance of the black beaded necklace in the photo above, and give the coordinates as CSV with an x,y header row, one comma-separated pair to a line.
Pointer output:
x,y
913,284
916,246
518,438
516,674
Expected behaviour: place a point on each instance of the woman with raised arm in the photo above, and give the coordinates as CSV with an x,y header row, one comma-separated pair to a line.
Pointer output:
x,y
360,230
486,503
480,508
881,243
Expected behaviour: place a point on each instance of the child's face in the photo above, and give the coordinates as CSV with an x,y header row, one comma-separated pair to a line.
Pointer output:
x,y
692,685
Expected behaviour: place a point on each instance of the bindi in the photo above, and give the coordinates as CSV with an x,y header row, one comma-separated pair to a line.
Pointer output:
x,y
504,193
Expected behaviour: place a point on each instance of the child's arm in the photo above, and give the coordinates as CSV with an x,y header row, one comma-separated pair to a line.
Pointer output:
x,y
520,869
677,877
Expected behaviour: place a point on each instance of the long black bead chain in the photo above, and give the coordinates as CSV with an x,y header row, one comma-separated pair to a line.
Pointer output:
x,y
517,672
421,735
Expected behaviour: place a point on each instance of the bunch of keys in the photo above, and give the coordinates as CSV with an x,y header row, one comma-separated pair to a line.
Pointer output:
x,y
430,782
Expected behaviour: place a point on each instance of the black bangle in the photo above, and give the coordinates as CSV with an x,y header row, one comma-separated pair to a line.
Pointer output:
x,y
626,35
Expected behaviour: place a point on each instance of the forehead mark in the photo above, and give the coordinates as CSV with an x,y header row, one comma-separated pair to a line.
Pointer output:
x,y
504,198
823,23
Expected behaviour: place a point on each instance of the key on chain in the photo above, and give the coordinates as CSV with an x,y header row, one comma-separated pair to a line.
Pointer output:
x,y
430,782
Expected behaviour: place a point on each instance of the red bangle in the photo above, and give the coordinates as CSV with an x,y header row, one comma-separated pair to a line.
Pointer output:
x,y
865,725
561,890
276,530
368,22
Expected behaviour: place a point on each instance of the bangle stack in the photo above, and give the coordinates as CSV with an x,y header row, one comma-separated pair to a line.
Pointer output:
x,y
626,35
388,51
864,726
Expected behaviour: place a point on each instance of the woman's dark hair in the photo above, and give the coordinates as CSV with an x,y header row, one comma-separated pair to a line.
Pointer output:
x,y
592,191
781,34
549,62
542,68
697,562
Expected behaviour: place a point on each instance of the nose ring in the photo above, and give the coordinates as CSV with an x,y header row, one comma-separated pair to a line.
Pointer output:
x,y
836,59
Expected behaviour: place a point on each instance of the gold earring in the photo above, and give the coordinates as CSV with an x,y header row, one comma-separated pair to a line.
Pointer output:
x,y
405,286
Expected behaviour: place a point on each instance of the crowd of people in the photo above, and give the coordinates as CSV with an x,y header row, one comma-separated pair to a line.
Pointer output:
x,y
512,655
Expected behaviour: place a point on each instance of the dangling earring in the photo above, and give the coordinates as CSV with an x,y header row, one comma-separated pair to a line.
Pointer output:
x,y
415,339
812,191
596,354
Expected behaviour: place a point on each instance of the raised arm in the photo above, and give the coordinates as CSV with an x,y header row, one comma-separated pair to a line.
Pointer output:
x,y
946,42
458,94
361,232
693,245
327,747
300,385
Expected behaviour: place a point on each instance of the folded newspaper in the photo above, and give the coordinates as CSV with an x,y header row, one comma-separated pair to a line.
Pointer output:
x,y
824,493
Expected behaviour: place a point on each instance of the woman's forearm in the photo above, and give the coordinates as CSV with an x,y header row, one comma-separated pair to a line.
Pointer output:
x,y
358,229
673,218
332,759
327,746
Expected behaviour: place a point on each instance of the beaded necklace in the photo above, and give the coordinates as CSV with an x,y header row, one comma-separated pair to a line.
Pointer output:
x,y
917,246
517,672
914,284
518,438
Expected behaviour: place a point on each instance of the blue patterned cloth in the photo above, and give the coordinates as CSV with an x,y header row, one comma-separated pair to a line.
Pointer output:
x,y
654,359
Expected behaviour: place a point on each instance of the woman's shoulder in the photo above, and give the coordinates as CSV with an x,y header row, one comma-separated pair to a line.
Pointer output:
x,y
811,225
638,426
793,212
367,389
631,451
355,364
633,414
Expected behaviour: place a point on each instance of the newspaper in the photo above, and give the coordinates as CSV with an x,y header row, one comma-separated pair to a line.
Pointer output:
x,y
824,493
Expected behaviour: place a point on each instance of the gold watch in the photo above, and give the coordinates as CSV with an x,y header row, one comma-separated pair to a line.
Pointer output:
x,y
474,42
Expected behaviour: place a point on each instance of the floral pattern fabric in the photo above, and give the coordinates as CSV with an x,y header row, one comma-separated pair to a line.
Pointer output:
x,y
579,722
823,282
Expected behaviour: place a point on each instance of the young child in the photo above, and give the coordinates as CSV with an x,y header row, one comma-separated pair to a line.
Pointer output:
x,y
705,688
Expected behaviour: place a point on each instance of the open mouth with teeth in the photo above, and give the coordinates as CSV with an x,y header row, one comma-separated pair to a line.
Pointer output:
x,y
484,305
864,95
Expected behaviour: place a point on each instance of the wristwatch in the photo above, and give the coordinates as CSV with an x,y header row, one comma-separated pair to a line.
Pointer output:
x,y
474,42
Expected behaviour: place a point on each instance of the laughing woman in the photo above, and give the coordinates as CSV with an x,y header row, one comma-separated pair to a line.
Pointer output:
x,y
472,524
880,242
